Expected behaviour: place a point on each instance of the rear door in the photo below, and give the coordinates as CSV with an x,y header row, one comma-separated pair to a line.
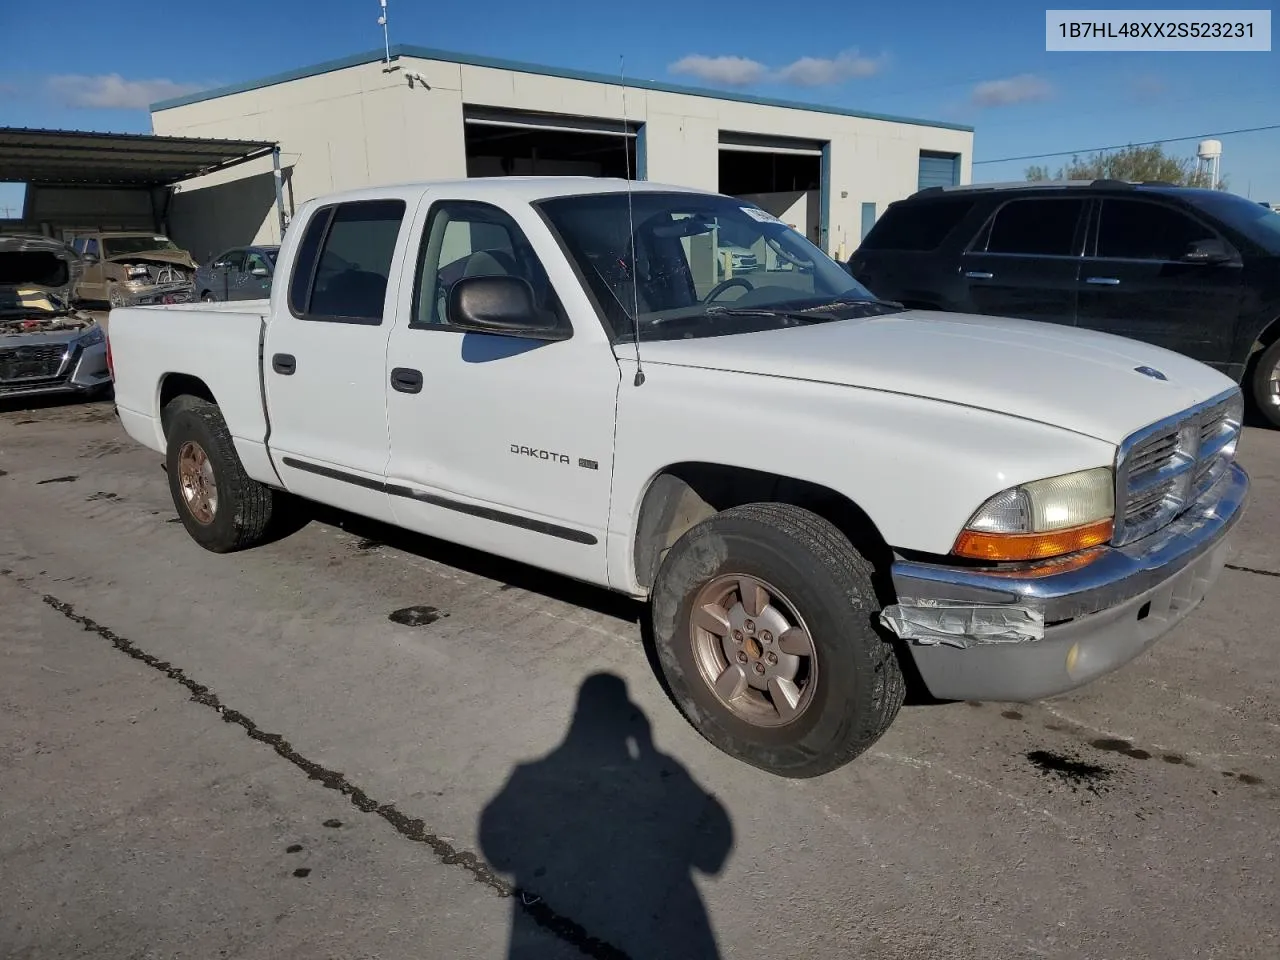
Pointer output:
x,y
1025,260
325,351
1138,282
232,264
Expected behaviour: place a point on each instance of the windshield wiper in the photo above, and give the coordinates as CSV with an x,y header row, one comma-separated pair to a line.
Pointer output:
x,y
761,312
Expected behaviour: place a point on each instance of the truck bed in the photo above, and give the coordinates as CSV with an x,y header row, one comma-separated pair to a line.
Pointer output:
x,y
152,345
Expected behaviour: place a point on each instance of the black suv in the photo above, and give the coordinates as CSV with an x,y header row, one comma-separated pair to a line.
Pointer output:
x,y
1197,271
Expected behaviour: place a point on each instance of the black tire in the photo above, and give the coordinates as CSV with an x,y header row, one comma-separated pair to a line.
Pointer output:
x,y
1268,403
208,297
859,686
244,506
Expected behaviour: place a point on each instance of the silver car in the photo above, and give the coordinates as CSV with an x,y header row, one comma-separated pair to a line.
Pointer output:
x,y
46,347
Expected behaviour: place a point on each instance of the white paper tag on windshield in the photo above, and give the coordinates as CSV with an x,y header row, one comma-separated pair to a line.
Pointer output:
x,y
755,213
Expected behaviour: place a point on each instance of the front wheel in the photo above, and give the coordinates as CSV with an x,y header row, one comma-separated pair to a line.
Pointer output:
x,y
764,621
1266,384
221,506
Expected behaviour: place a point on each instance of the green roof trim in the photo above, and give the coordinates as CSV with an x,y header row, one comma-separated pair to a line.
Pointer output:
x,y
516,66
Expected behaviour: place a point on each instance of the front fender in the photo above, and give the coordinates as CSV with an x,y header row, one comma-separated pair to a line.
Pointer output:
x,y
917,467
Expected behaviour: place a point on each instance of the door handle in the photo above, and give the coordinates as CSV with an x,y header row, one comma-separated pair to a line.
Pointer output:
x,y
406,380
978,275
1103,281
284,364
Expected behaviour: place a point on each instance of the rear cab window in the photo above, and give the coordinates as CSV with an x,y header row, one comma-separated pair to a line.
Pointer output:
x,y
344,260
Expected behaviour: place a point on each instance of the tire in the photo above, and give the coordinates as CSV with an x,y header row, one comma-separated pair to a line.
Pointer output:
x,y
812,573
242,507
208,297
1266,383
115,298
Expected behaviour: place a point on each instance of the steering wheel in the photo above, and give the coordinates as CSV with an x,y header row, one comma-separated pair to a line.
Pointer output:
x,y
724,285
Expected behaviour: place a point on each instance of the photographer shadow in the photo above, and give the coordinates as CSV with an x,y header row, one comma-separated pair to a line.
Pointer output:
x,y
607,830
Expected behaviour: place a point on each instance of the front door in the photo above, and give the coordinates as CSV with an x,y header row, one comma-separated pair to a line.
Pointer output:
x,y
325,351
255,278
1025,260
1139,282
500,443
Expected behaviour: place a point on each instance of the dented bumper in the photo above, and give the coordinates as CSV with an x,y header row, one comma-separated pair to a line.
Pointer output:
x,y
996,635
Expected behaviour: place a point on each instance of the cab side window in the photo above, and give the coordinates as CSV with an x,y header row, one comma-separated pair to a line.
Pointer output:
x,y
1135,230
344,262
470,239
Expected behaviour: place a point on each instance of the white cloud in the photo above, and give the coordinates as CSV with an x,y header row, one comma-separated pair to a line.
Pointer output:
x,y
824,71
1023,88
1148,87
729,71
110,91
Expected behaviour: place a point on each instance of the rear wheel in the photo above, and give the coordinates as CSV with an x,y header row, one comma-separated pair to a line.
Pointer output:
x,y
208,297
764,620
1266,384
221,506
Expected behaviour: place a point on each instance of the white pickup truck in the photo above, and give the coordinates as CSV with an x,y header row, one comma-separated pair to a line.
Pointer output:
x,y
811,487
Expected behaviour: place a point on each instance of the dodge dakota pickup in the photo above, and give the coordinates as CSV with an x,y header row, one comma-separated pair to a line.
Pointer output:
x,y
810,488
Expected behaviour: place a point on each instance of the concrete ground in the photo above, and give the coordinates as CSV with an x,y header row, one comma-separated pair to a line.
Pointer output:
x,y
264,755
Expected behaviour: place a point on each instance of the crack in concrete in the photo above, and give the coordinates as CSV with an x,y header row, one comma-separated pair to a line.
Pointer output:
x,y
1258,570
414,829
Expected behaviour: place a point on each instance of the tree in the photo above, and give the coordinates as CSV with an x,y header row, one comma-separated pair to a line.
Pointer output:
x,y
1131,163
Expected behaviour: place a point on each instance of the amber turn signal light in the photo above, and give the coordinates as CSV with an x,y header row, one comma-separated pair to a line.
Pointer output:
x,y
1032,546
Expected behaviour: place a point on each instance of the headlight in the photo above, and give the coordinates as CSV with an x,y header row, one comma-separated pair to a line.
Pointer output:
x,y
137,273
1043,519
92,337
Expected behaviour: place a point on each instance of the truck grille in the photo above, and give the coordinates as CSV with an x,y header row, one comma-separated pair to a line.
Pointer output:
x,y
1163,469
36,362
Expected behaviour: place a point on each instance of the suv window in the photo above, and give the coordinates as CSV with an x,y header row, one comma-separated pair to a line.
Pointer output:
x,y
344,261
1043,227
466,238
232,259
917,226
1134,230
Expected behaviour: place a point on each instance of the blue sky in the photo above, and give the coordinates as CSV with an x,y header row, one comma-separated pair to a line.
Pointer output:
x,y
983,65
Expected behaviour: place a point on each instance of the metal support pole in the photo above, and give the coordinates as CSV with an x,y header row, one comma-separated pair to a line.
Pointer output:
x,y
275,172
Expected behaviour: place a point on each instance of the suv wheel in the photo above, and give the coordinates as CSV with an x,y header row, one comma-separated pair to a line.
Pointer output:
x,y
1266,384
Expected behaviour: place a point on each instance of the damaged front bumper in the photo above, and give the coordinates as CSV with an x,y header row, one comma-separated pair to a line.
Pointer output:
x,y
146,294
985,634
79,369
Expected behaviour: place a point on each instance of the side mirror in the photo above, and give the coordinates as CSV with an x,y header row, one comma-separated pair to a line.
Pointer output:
x,y
89,257
499,305
259,271
1208,251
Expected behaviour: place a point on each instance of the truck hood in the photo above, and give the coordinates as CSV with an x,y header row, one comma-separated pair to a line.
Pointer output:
x,y
1079,380
179,257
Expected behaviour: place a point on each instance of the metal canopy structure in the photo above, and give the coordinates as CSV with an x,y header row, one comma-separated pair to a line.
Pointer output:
x,y
73,157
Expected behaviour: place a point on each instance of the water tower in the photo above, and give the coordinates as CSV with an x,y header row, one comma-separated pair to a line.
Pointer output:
x,y
1209,159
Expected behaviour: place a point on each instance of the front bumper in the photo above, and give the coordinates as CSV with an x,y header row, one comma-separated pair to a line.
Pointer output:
x,y
991,635
82,370
144,294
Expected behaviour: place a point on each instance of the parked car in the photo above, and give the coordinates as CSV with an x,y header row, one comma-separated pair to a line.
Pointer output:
x,y
45,346
131,268
1197,271
242,273
802,480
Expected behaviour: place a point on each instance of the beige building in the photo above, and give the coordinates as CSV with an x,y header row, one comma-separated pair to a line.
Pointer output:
x,y
426,114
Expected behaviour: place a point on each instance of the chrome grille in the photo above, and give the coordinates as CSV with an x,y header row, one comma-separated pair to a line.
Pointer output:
x,y
35,362
1162,469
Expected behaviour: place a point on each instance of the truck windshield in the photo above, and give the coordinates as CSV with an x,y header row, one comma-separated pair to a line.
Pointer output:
x,y
702,265
116,246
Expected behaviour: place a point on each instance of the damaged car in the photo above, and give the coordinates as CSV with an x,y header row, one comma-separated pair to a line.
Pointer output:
x,y
46,347
133,268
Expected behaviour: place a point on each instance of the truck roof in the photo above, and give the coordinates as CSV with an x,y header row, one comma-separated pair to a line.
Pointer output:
x,y
517,189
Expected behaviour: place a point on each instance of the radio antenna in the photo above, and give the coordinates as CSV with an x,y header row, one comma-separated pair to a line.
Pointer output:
x,y
386,35
631,224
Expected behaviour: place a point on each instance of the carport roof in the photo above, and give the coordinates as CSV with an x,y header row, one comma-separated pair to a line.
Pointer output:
x,y
117,159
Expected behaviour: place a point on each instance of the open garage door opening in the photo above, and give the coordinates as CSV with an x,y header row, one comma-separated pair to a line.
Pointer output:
x,y
502,143
780,175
